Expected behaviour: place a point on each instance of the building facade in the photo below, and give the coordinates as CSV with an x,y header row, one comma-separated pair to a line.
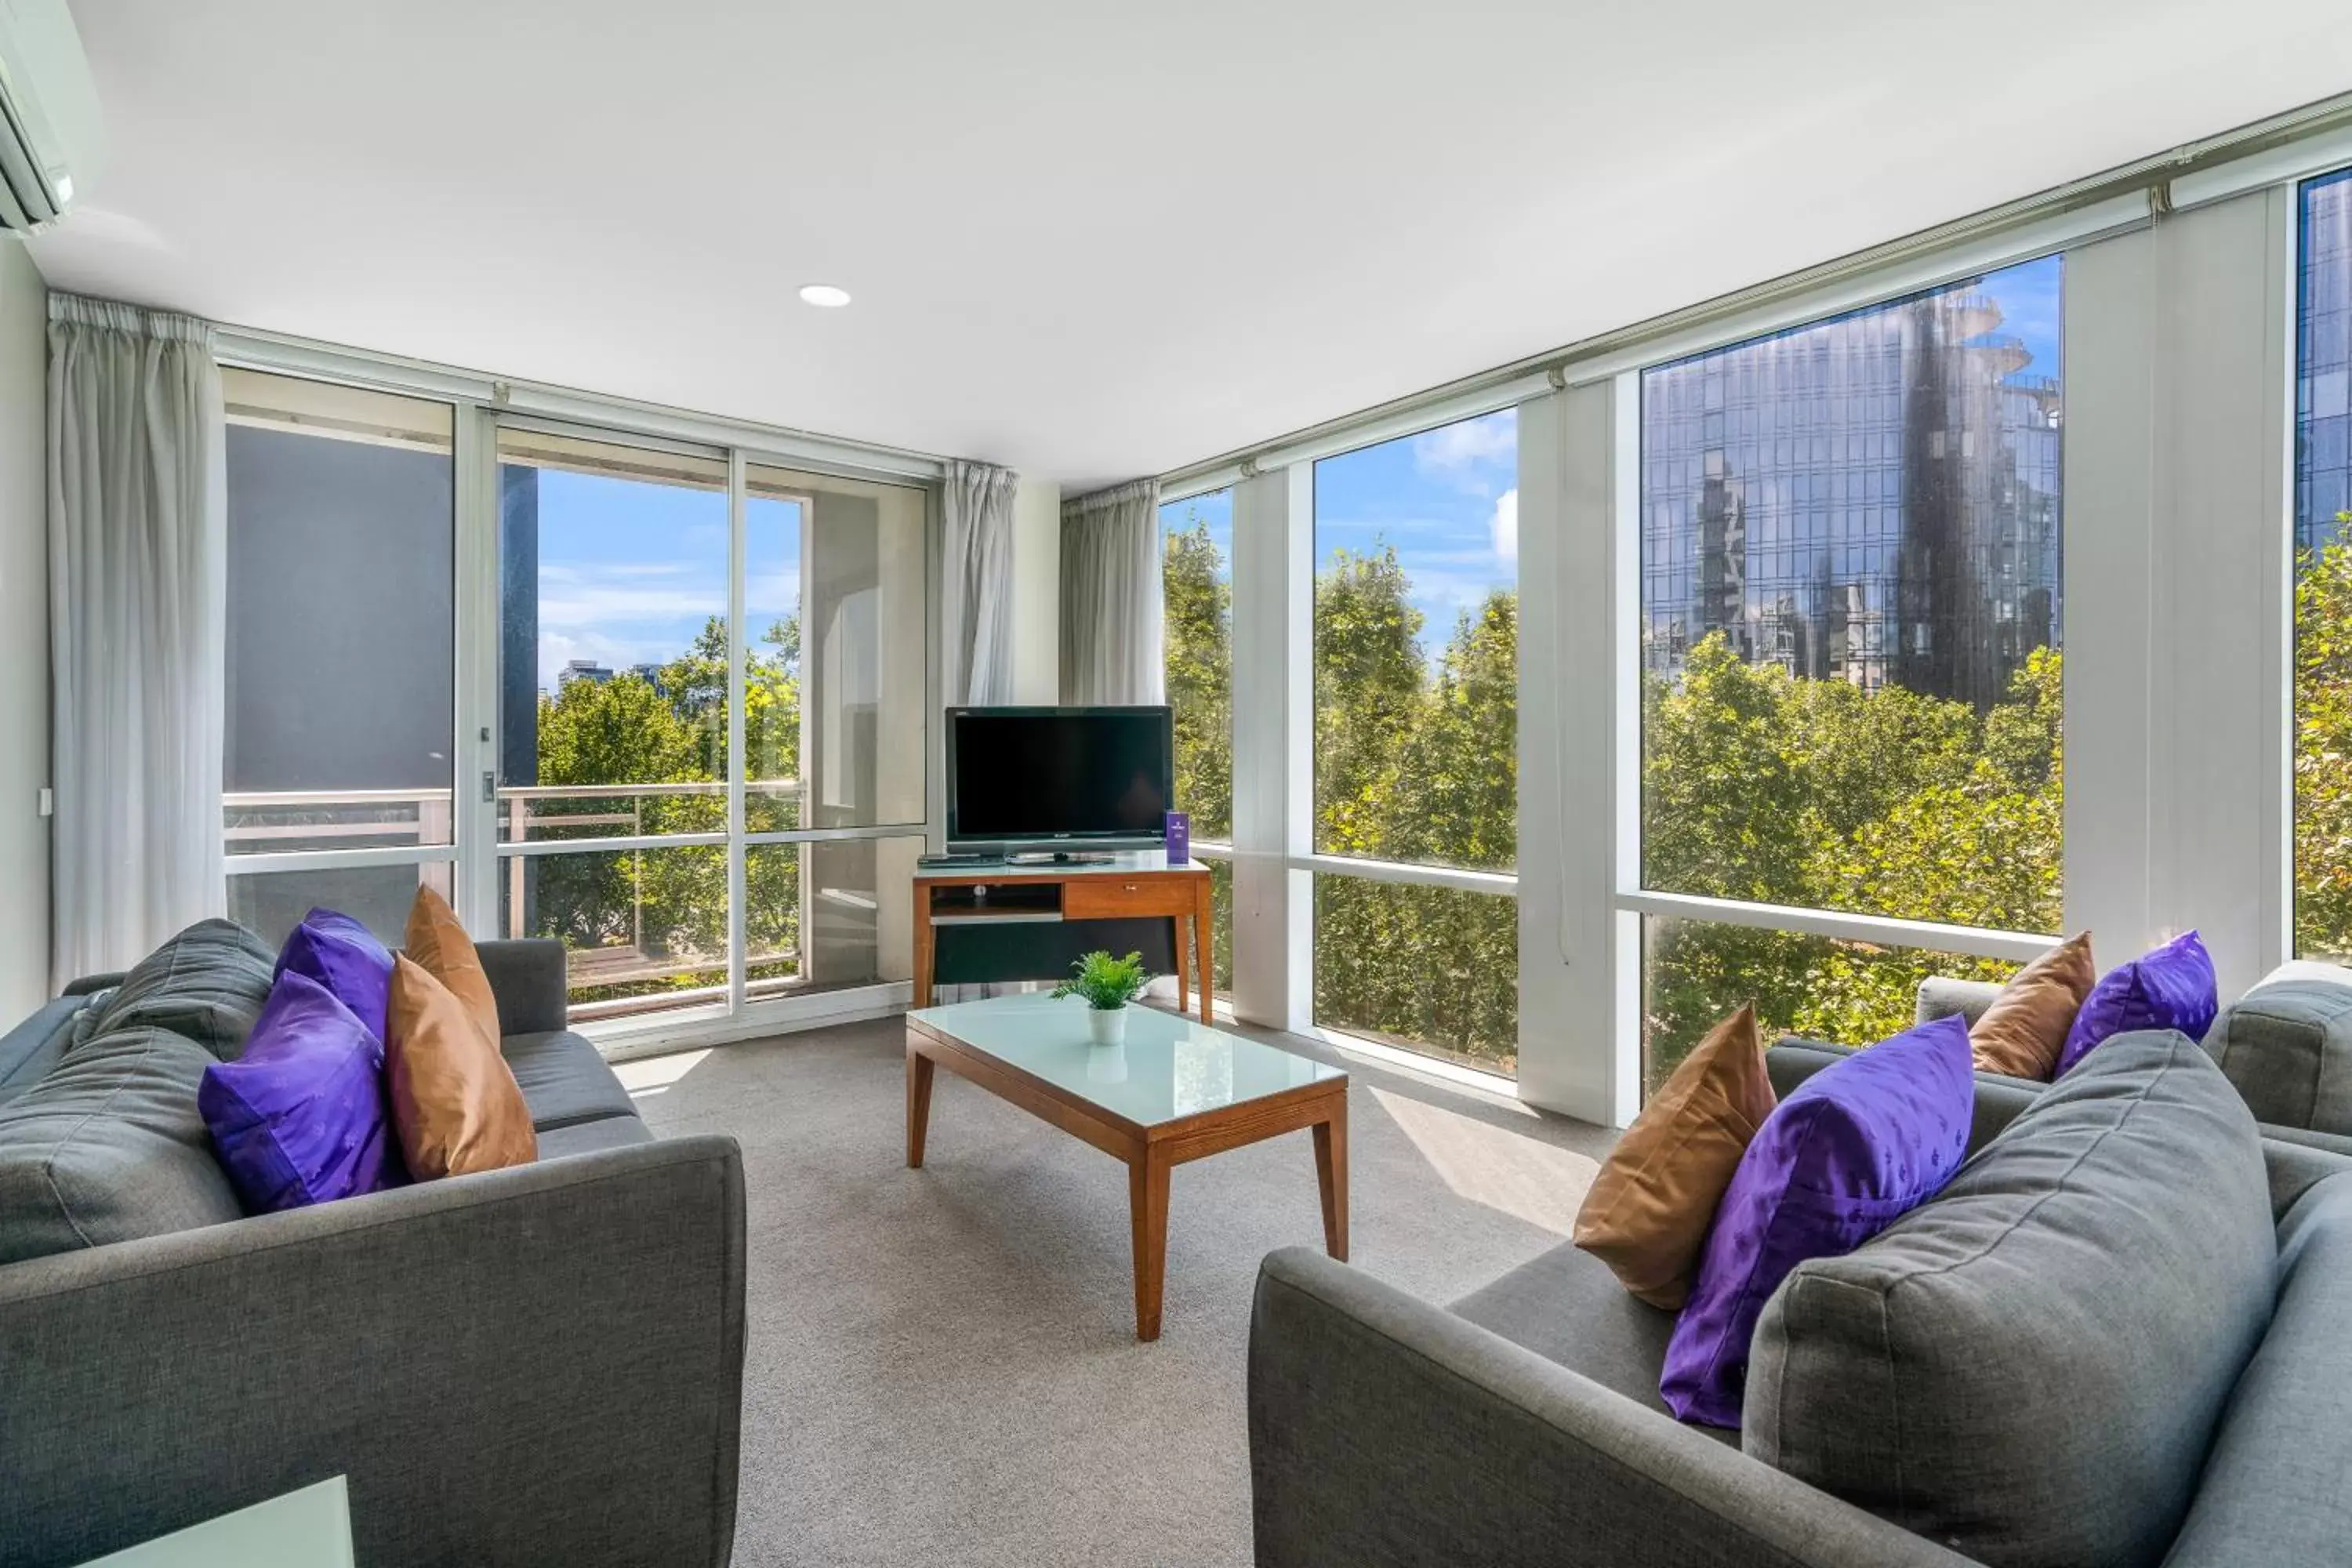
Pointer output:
x,y
2323,326
1873,499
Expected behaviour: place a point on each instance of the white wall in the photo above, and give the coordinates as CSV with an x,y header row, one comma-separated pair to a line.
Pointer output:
x,y
2179,384
23,635
1037,592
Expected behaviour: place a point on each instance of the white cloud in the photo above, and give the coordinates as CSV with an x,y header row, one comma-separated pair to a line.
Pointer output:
x,y
1468,444
1505,525
582,598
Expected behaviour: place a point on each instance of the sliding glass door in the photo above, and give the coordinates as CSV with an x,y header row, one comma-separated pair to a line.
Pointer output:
x,y
834,724
698,837
612,798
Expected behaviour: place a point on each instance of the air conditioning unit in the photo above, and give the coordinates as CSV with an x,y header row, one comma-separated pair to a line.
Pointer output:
x,y
52,142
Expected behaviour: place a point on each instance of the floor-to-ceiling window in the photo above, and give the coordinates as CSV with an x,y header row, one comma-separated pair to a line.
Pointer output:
x,y
1850,626
2323,590
340,637
1197,582
1416,690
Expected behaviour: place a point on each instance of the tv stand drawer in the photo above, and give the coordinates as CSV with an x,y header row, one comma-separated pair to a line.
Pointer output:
x,y
1115,897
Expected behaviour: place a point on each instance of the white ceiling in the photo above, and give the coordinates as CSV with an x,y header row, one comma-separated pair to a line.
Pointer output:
x,y
1088,238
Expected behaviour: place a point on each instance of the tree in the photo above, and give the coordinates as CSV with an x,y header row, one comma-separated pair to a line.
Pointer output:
x,y
668,905
1772,788
1368,686
1200,671
2323,748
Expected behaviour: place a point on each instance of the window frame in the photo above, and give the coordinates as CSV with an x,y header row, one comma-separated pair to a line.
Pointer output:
x,y
264,863
477,857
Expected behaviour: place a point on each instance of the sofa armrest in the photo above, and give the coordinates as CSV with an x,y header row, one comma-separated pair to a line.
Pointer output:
x,y
1998,1097
91,984
532,986
540,1365
1387,1431
1942,995
2296,1159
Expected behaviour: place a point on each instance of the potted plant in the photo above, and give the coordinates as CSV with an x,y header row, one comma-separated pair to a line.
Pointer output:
x,y
1108,985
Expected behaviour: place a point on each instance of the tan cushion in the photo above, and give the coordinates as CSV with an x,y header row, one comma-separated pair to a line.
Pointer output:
x,y
2025,1027
437,941
1650,1206
454,1098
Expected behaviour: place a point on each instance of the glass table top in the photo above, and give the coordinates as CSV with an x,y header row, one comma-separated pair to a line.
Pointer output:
x,y
1171,1068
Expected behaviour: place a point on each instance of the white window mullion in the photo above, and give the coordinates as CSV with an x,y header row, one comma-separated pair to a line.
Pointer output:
x,y
475,754
738,925
1273,739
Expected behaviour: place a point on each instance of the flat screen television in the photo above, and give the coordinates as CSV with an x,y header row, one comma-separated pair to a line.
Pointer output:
x,y
1065,779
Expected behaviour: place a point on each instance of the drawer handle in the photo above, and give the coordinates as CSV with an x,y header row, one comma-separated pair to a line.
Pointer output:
x,y
1133,889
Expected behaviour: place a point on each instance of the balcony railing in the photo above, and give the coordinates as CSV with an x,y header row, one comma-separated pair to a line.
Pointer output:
x,y
278,822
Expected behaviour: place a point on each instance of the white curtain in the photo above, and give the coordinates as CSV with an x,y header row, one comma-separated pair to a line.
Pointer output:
x,y
1111,646
976,587
138,578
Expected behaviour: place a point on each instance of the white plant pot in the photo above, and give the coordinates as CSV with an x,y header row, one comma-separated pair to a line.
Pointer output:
x,y
1106,1026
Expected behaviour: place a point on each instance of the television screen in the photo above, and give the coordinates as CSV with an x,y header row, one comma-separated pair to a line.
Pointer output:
x,y
1035,775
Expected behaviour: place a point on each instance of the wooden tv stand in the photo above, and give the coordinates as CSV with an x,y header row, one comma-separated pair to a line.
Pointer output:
x,y
1000,899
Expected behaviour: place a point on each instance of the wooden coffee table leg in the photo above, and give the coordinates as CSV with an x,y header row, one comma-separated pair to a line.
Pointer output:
x,y
918,1104
1146,1196
1331,1175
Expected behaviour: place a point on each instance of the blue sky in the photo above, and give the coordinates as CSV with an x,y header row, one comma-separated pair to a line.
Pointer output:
x,y
1447,499
2029,295
629,570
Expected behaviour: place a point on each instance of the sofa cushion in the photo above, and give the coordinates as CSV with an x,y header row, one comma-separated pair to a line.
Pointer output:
x,y
2273,1485
207,984
2021,1034
454,1100
344,956
1853,1148
1568,1307
1999,1097
436,940
2172,987
2287,1045
108,1147
2029,1368
1650,1206
565,1079
302,1116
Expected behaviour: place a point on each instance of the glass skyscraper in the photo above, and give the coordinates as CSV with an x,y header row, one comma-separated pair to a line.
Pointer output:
x,y
2323,330
1871,499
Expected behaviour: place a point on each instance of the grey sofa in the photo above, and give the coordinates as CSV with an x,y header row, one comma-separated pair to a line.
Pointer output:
x,y
2285,1045
1523,1426
536,1365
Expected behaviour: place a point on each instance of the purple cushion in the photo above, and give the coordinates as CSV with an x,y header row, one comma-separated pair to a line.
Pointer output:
x,y
1850,1150
2172,988
303,1115
344,956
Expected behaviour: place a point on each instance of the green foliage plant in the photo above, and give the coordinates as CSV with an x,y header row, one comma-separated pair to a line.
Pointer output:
x,y
1106,983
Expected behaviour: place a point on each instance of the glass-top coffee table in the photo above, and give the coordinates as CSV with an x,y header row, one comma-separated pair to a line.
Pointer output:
x,y
1177,1091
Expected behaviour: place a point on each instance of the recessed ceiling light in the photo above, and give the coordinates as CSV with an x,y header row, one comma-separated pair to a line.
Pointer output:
x,y
824,295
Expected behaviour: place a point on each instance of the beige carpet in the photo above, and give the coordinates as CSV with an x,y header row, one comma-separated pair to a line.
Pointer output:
x,y
942,1366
